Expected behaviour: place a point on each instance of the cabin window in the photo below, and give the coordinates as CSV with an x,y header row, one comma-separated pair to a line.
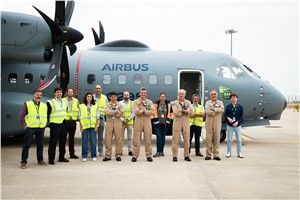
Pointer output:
x,y
152,79
137,79
122,79
168,79
106,79
42,77
28,78
12,78
91,78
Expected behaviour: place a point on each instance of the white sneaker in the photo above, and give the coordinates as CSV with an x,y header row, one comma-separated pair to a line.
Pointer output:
x,y
94,159
228,155
84,159
240,155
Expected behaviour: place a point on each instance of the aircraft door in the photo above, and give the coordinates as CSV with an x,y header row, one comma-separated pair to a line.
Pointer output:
x,y
192,82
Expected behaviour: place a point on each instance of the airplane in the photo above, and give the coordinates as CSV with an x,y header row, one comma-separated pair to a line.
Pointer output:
x,y
31,45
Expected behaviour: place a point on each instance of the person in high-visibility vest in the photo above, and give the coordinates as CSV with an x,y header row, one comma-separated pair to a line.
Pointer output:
x,y
127,120
143,110
113,110
101,100
33,118
161,120
57,113
72,117
89,122
196,121
213,123
182,109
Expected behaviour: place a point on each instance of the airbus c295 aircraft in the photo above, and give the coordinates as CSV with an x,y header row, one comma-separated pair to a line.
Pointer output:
x,y
34,55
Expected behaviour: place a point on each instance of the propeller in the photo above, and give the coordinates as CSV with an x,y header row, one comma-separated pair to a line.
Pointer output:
x,y
99,39
62,36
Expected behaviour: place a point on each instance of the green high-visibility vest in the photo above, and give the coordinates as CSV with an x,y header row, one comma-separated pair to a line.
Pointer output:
x,y
72,113
58,113
88,118
37,115
197,121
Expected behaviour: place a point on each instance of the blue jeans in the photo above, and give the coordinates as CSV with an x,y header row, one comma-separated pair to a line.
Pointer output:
x,y
238,131
39,136
89,133
160,131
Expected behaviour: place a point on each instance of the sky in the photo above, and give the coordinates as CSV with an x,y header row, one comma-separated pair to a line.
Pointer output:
x,y
267,37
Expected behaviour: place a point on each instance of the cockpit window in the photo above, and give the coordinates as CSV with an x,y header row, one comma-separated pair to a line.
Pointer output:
x,y
230,71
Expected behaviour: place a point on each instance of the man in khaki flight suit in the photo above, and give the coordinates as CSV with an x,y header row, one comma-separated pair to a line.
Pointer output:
x,y
143,109
114,111
213,123
182,109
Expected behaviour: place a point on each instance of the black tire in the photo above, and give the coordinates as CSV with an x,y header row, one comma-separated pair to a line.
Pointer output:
x,y
222,135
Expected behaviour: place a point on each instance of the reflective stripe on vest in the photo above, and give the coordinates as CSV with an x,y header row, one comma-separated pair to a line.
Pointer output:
x,y
72,112
101,105
127,112
58,113
88,119
197,121
37,115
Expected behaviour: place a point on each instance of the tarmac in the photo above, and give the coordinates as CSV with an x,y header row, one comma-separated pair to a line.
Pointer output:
x,y
269,170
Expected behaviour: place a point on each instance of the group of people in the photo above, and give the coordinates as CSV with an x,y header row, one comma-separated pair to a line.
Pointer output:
x,y
137,117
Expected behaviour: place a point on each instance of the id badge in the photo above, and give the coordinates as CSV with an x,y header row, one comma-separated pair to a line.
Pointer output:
x,y
162,116
233,119
37,117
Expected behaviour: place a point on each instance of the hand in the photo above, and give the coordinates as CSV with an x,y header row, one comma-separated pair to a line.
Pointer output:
x,y
230,120
235,124
81,129
125,122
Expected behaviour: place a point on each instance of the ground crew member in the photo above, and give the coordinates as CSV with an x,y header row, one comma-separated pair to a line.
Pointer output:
x,y
182,109
143,109
89,122
113,110
196,121
57,112
72,117
161,120
127,120
101,101
33,118
213,123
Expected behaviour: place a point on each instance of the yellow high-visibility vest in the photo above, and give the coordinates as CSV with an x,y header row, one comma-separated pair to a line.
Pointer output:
x,y
197,121
101,104
88,118
58,113
127,112
37,115
72,113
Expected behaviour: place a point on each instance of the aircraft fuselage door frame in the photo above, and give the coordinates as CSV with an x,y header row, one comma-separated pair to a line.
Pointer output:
x,y
192,81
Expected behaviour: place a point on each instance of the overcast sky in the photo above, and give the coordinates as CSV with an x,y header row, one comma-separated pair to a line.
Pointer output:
x,y
267,38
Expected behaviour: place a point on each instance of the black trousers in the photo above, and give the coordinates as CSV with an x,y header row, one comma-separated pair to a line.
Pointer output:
x,y
197,131
71,132
58,132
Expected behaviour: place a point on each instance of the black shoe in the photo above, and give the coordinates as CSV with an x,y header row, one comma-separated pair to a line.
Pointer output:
x,y
217,158
74,156
149,159
187,159
130,153
106,159
63,160
51,162
175,159
162,154
199,154
207,158
118,159
156,155
133,159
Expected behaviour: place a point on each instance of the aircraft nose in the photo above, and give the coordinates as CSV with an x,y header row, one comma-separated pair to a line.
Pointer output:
x,y
284,104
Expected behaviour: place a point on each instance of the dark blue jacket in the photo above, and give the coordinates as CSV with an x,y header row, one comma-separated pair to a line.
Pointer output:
x,y
236,112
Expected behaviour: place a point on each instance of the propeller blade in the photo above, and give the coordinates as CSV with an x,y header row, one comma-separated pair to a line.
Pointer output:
x,y
52,25
96,37
69,11
64,71
72,48
59,17
54,66
102,33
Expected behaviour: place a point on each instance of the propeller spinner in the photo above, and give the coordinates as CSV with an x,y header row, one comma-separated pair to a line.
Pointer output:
x,y
62,36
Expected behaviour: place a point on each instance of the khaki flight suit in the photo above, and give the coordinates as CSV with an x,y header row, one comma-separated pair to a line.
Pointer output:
x,y
142,123
213,124
113,128
181,123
